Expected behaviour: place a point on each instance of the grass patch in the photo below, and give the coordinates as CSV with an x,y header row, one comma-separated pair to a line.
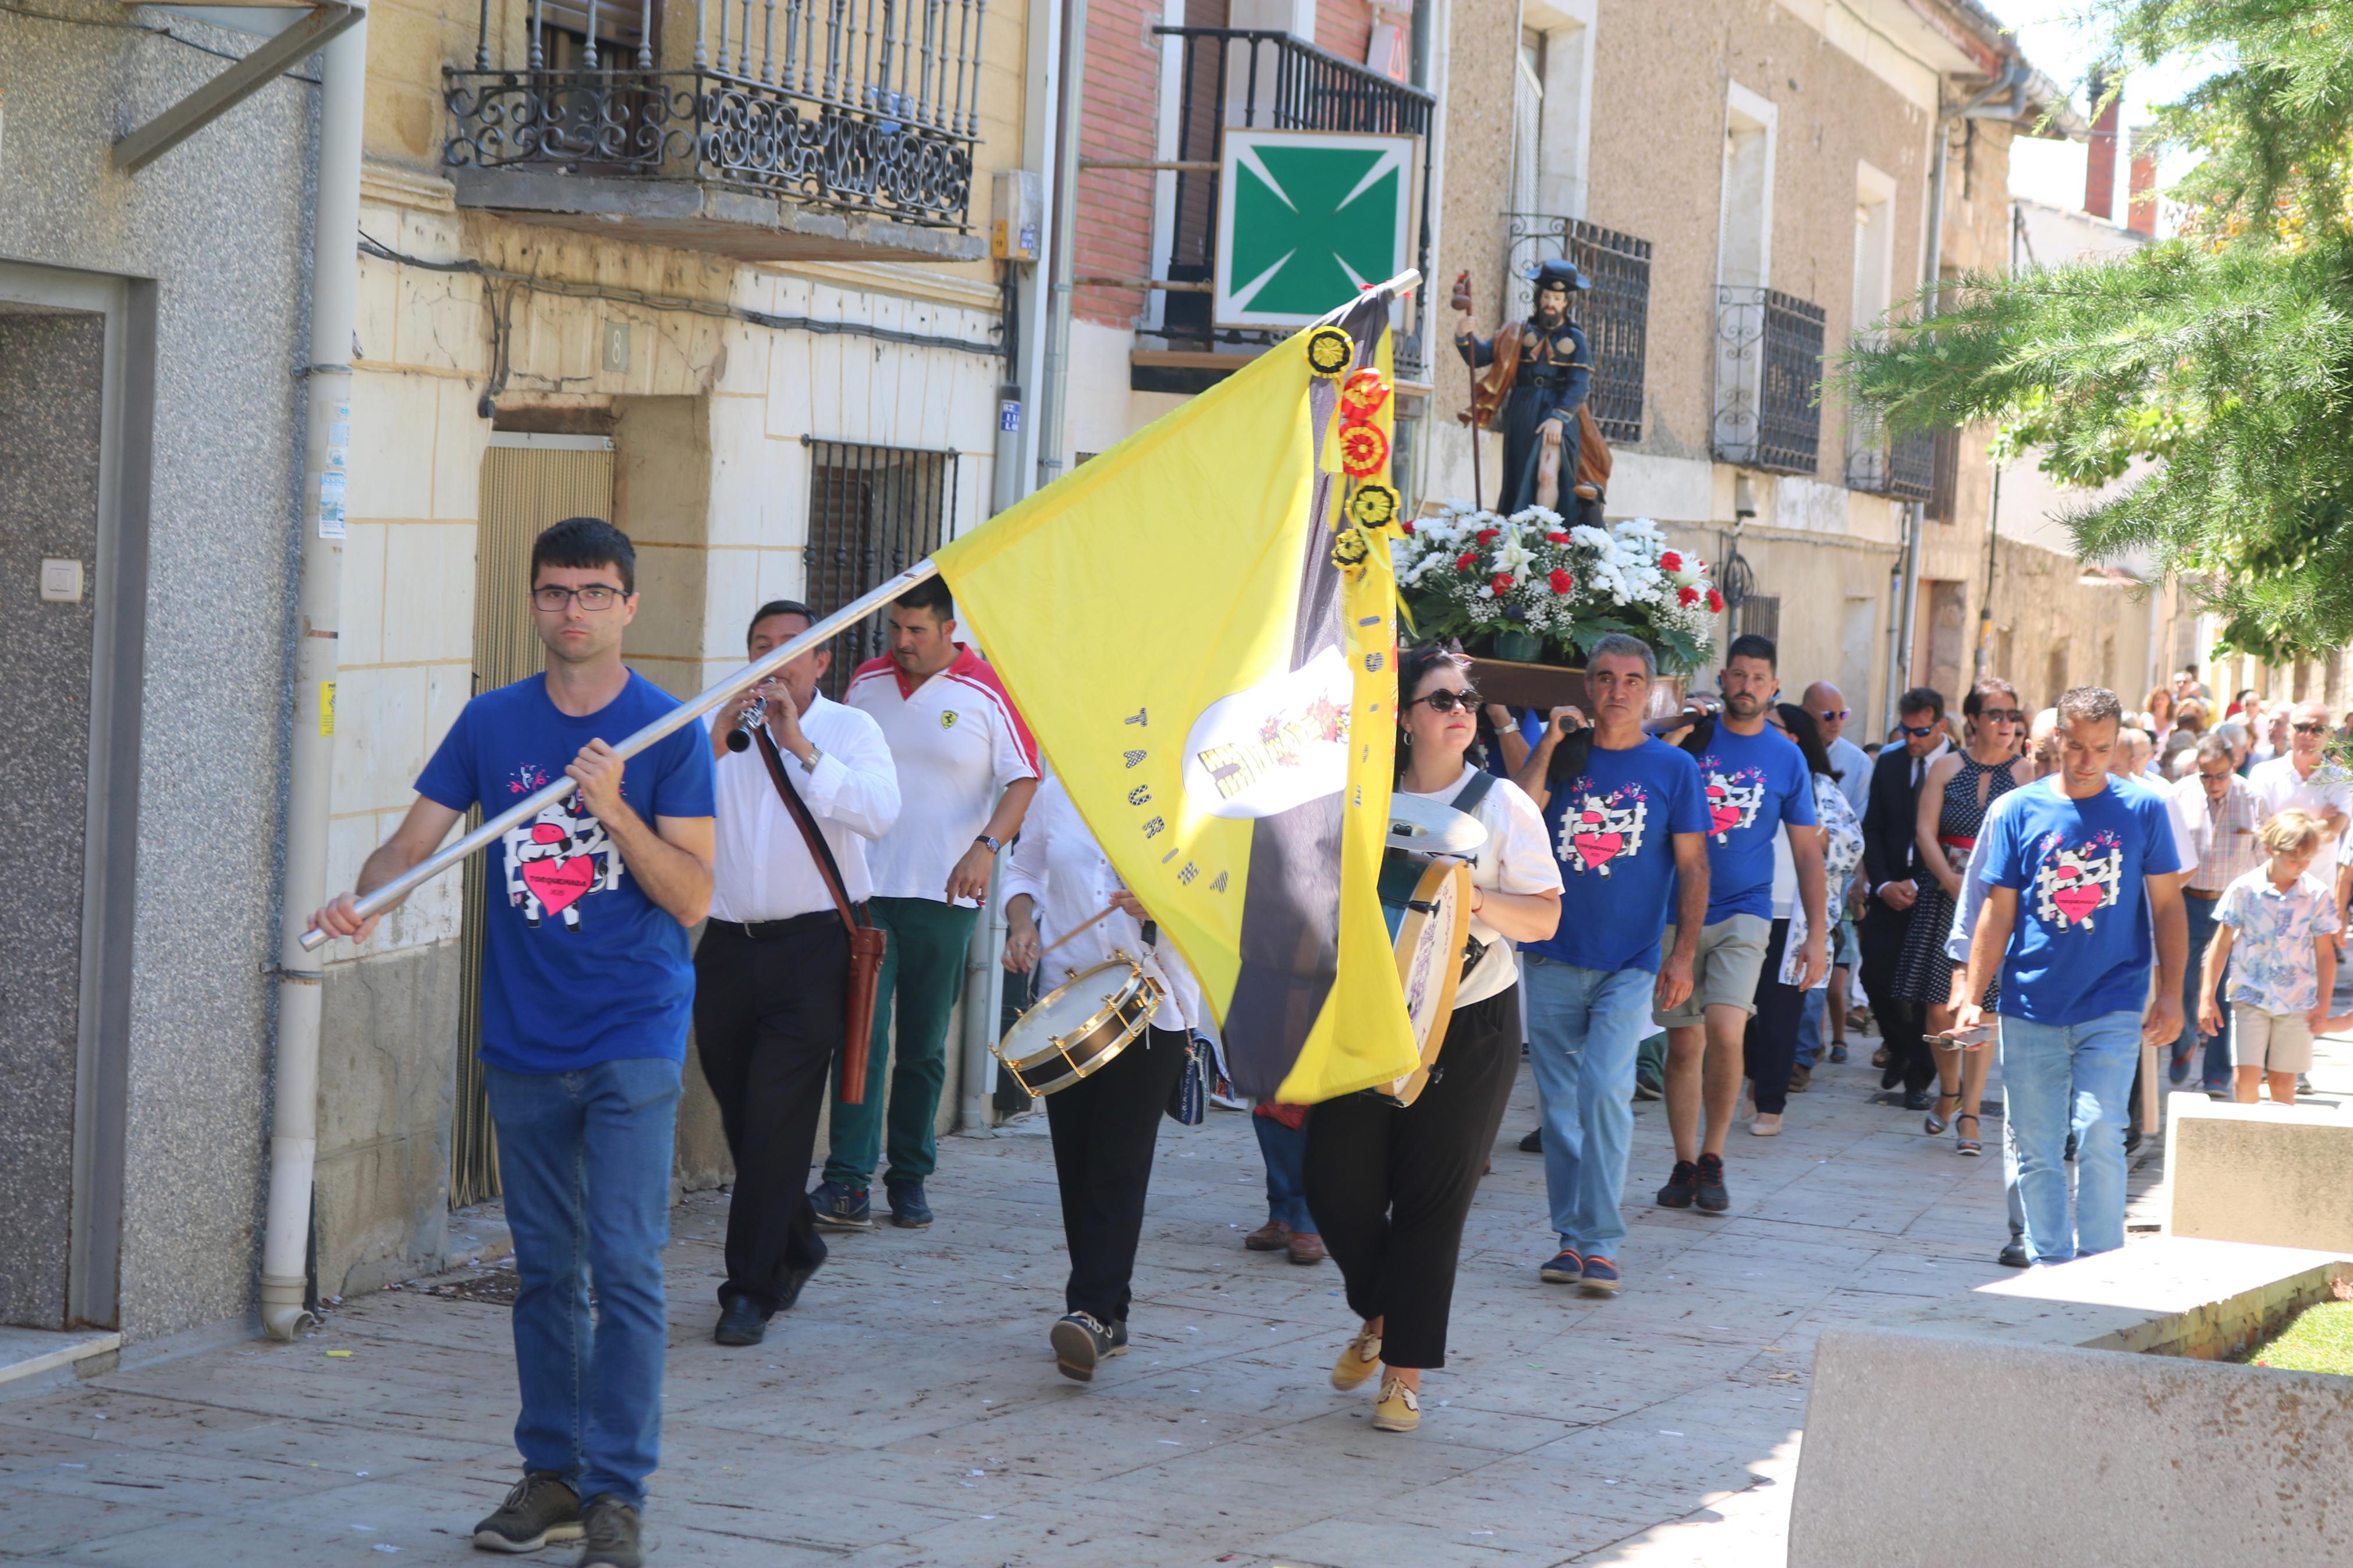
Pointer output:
x,y
2319,1338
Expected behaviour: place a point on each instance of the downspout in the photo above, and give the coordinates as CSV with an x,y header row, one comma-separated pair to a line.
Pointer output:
x,y
1055,393
334,285
1907,591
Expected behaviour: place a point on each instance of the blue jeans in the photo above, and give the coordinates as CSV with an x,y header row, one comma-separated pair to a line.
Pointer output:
x,y
2058,1075
1285,1150
1584,1027
1812,1011
584,1158
2216,1067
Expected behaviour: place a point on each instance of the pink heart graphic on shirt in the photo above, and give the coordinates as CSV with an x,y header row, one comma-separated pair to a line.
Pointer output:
x,y
559,884
2075,901
1725,817
1598,847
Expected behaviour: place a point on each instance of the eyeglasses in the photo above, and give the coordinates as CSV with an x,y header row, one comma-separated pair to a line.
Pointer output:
x,y
1444,701
1917,729
2312,729
596,596
1830,715
1999,716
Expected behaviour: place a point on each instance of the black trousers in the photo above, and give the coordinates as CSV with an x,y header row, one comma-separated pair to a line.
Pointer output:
x,y
768,1023
1389,1187
1880,939
1104,1128
1770,1046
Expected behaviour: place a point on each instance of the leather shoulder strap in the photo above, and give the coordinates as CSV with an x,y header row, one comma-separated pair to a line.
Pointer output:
x,y
819,850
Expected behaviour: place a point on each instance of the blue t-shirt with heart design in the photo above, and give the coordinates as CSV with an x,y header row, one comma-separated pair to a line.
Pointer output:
x,y
1612,829
1754,785
578,965
2083,945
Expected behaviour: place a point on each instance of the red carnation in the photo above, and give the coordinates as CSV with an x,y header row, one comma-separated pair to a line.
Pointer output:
x,y
1557,538
1465,561
1561,580
1502,582
1486,536
1686,596
1669,562
1407,527
1714,600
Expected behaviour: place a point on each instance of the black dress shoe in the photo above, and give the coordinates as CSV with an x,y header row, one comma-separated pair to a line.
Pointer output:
x,y
1533,1143
791,1292
740,1323
1917,1099
2015,1254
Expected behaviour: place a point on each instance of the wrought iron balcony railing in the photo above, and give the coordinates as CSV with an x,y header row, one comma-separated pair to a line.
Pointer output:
x,y
1768,364
1903,468
1616,314
1256,78
869,105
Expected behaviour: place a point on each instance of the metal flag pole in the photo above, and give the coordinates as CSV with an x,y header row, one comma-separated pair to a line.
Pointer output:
x,y
677,719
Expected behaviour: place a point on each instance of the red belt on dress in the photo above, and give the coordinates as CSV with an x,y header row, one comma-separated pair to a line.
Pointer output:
x,y
1950,842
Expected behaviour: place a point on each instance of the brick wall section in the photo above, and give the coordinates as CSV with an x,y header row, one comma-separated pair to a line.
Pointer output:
x,y
2100,164
1123,99
1344,28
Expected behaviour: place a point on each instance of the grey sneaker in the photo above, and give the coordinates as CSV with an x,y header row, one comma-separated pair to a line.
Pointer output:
x,y
614,1529
540,1509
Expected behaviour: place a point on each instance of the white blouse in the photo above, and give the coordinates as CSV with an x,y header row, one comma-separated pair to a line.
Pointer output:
x,y
1516,858
1058,864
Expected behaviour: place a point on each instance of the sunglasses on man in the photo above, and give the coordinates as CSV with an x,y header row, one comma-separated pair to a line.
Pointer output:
x,y
1917,731
2312,729
1831,715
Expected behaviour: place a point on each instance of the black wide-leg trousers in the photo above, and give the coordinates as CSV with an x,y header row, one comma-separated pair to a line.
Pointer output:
x,y
1901,1021
1105,1129
1390,1186
768,1023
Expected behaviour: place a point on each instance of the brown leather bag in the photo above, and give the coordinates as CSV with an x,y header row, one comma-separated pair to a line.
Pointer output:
x,y
866,942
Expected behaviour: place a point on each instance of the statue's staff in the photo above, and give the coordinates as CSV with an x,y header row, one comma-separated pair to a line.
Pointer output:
x,y
1471,415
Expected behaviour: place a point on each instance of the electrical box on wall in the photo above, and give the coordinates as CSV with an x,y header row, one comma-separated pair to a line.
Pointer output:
x,y
1020,218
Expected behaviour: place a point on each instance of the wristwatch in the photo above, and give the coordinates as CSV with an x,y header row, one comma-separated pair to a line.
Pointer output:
x,y
809,762
994,844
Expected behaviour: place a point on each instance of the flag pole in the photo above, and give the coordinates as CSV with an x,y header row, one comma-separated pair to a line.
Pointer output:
x,y
677,718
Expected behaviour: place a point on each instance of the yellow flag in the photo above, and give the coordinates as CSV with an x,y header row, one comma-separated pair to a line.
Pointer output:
x,y
1215,687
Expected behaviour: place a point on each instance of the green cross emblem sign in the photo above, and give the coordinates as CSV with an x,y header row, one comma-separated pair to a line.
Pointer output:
x,y
1305,219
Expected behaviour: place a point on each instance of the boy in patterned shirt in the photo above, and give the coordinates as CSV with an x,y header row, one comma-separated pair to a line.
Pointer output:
x,y
2276,920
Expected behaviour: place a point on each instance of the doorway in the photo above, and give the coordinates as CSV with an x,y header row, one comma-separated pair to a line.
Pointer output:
x,y
529,482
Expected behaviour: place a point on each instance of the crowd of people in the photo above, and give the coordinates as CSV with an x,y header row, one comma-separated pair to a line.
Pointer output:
x,y
1684,916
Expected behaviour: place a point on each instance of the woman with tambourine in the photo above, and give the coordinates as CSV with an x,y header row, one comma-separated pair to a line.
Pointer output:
x,y
1390,1185
1105,1123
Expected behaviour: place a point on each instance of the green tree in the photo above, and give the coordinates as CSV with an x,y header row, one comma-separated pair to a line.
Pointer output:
x,y
2216,369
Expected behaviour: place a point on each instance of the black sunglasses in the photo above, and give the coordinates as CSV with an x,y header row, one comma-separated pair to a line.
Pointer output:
x,y
1446,700
1998,716
1919,729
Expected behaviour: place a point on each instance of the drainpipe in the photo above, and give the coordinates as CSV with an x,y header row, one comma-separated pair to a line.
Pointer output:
x,y
1055,393
1907,589
334,284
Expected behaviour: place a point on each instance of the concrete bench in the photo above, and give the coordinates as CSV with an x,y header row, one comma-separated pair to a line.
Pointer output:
x,y
2279,1175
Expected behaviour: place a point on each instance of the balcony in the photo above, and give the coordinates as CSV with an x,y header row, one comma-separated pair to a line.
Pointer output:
x,y
1253,78
1768,364
1616,315
1903,468
792,130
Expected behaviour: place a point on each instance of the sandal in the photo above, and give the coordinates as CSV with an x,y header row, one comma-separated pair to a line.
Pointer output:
x,y
1935,1124
1964,1145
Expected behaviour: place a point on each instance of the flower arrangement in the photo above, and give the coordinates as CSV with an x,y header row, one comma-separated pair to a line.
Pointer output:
x,y
1473,575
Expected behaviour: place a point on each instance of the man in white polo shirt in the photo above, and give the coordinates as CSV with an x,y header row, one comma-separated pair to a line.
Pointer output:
x,y
968,768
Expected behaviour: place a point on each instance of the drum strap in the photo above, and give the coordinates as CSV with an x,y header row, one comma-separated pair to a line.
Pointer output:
x,y
866,942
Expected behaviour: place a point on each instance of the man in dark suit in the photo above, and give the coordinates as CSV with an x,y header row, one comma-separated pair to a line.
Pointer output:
x,y
1891,865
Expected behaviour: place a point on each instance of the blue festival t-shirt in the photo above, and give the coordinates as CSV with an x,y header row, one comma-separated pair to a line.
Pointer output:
x,y
2083,945
1754,783
1612,829
579,966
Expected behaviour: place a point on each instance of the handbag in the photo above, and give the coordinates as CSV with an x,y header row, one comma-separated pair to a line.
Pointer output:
x,y
1188,1097
866,942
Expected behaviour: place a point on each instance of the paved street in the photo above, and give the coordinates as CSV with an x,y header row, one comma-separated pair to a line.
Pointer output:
x,y
908,1413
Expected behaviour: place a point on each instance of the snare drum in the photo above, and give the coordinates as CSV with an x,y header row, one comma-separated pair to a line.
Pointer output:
x,y
1427,902
1078,1027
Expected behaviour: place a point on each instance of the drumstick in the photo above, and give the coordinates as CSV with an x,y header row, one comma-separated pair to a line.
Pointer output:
x,y
1091,922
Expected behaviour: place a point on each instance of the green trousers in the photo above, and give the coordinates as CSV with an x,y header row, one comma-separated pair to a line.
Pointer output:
x,y
923,976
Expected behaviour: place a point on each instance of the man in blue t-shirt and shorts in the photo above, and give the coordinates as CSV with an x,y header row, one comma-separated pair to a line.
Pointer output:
x,y
2084,890
587,987
1625,819
1756,786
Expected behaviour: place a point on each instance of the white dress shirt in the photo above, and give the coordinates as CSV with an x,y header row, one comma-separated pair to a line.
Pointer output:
x,y
2277,786
1058,864
762,868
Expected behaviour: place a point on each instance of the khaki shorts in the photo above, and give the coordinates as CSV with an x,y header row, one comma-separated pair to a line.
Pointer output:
x,y
1724,970
2275,1042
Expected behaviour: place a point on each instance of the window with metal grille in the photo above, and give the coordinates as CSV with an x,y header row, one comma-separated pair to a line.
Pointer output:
x,y
873,511
1761,615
